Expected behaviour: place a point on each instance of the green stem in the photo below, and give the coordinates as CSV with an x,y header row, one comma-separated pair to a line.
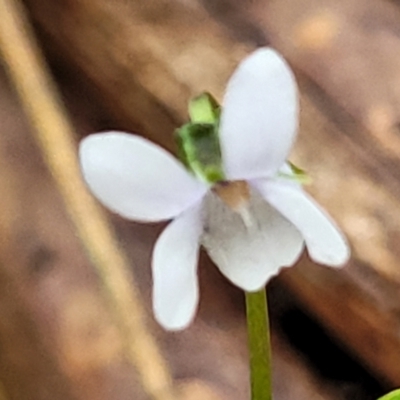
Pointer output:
x,y
259,345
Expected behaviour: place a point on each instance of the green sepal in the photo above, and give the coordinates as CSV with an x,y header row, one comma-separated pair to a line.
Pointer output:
x,y
204,109
199,150
298,175
395,395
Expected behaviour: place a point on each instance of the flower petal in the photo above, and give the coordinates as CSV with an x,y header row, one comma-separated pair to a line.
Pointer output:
x,y
175,286
325,243
136,178
249,256
259,117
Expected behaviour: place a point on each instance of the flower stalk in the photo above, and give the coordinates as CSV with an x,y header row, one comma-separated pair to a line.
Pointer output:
x,y
259,345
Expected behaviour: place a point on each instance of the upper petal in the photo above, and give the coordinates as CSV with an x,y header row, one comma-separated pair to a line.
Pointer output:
x,y
174,264
259,117
249,256
136,178
325,242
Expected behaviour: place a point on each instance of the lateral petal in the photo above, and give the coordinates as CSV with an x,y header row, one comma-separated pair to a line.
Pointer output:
x,y
136,178
325,242
174,265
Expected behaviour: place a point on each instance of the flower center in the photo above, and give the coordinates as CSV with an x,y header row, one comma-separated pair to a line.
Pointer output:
x,y
236,195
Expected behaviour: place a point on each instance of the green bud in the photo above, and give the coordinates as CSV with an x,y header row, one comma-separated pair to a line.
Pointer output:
x,y
204,109
199,150
391,396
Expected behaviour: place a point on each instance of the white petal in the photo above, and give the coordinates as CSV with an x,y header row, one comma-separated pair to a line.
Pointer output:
x,y
325,242
249,256
136,178
259,118
175,286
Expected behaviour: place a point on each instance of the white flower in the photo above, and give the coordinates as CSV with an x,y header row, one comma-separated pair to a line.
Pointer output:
x,y
252,226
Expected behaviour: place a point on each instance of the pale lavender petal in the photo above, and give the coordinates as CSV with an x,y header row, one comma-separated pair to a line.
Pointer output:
x,y
175,257
260,116
136,178
325,242
249,256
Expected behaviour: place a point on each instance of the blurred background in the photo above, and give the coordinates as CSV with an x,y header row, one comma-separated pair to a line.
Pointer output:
x,y
133,65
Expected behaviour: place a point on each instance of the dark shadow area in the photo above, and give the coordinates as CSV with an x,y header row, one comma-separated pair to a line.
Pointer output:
x,y
329,359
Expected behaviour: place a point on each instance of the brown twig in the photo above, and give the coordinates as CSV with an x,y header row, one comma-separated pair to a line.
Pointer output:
x,y
54,134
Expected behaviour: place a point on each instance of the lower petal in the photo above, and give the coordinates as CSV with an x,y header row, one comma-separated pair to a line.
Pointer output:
x,y
249,255
174,264
325,242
